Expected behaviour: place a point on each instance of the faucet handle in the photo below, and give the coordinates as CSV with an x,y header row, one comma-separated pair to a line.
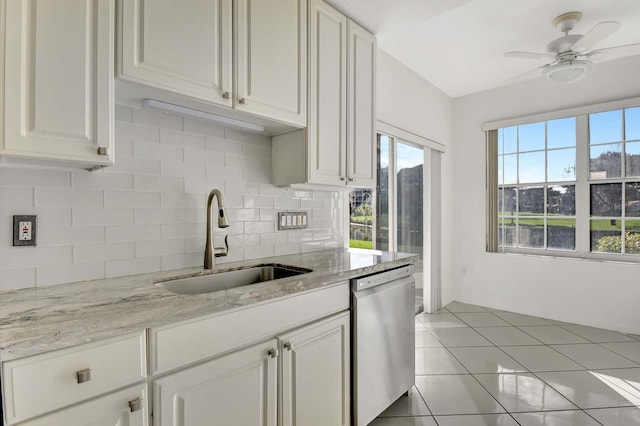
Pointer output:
x,y
222,251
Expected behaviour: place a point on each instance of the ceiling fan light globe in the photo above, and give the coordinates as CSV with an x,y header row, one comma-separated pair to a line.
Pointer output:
x,y
567,72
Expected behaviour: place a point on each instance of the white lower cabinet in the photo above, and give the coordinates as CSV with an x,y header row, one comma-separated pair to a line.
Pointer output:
x,y
128,407
308,367
237,389
315,374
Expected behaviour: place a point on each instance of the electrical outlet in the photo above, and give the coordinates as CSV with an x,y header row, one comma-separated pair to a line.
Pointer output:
x,y
24,230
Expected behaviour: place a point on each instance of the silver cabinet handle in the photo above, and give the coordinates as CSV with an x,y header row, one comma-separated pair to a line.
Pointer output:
x,y
103,150
135,404
273,353
84,375
225,95
288,346
242,101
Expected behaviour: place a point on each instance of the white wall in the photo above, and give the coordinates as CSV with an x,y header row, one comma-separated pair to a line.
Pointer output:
x,y
602,294
409,102
147,213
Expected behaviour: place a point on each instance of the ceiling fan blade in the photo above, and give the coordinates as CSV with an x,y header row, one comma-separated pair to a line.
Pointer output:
x,y
529,55
536,72
595,35
612,52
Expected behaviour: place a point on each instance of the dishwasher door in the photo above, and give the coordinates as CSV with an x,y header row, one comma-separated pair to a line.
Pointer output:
x,y
383,347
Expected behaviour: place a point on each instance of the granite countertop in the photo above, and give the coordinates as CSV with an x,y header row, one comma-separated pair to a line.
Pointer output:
x,y
38,320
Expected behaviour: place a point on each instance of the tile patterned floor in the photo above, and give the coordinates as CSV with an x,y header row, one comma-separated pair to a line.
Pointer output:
x,y
477,366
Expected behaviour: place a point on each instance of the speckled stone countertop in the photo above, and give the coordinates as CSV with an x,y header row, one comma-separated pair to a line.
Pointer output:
x,y
38,320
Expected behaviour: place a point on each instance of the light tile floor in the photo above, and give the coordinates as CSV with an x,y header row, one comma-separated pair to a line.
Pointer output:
x,y
477,366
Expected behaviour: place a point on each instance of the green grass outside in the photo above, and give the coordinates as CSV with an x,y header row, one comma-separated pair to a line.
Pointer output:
x,y
633,225
361,244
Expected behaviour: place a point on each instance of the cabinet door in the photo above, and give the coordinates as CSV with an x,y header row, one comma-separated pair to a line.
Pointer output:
x,y
271,59
361,137
237,389
326,135
316,374
180,46
58,78
128,407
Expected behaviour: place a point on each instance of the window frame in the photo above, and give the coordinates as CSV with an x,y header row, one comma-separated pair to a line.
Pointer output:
x,y
583,184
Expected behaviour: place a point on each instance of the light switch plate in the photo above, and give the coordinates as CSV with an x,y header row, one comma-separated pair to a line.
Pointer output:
x,y
25,230
292,220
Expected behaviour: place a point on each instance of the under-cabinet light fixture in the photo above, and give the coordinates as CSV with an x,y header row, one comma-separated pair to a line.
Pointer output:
x,y
232,122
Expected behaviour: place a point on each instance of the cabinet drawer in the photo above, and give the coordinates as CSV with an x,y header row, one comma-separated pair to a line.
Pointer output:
x,y
42,383
182,344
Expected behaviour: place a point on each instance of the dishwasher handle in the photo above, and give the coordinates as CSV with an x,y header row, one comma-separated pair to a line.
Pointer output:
x,y
373,280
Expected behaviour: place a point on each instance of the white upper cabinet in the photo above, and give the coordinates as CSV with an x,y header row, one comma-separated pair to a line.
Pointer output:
x,y
179,46
271,58
58,80
338,147
187,48
361,137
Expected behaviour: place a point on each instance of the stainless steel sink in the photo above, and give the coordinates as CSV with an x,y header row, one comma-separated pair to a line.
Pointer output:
x,y
231,279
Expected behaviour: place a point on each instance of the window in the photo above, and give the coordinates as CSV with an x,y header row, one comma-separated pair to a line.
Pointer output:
x,y
569,186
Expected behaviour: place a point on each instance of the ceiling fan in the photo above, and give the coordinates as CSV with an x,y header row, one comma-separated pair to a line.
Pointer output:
x,y
571,54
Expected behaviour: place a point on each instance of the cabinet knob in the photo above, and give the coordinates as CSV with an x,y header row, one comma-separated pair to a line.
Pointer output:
x,y
273,353
225,95
351,179
135,404
242,101
103,150
342,178
288,346
84,375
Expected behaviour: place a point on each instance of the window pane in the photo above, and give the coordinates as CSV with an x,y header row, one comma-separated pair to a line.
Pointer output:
x,y
632,199
606,236
561,133
510,139
606,200
632,236
382,195
531,232
605,127
531,167
561,165
606,161
507,231
632,123
531,201
361,219
510,174
507,201
409,198
632,159
561,200
561,234
531,137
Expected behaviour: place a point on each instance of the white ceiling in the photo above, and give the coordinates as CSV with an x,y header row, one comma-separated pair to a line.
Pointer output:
x,y
458,45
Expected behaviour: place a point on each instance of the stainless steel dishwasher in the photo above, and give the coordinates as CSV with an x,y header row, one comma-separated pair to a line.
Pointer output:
x,y
383,351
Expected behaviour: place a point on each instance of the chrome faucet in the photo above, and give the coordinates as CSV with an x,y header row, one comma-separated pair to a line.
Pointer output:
x,y
223,222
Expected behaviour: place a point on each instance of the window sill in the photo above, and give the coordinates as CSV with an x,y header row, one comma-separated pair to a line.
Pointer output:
x,y
571,255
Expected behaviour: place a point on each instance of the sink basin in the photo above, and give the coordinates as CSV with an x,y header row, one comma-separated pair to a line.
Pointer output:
x,y
231,279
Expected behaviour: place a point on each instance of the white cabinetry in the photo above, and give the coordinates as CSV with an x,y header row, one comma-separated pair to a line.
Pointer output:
x,y
338,146
187,48
128,407
315,374
58,80
237,389
40,384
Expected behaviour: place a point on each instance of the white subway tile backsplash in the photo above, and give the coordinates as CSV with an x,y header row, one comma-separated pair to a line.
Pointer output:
x,y
27,177
48,275
13,279
147,212
122,199
83,216
122,233
16,196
